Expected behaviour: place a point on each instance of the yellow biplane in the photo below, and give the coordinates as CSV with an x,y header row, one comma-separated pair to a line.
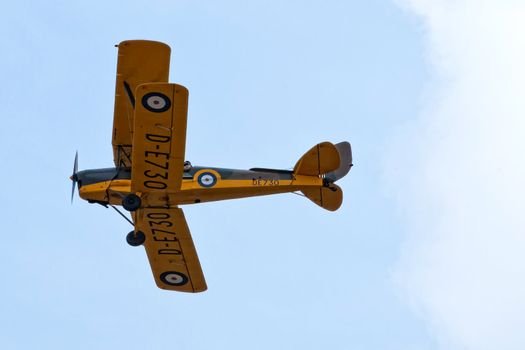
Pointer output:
x,y
151,178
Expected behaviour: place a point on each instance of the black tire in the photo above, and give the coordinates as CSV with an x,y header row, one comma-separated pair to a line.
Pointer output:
x,y
131,202
135,239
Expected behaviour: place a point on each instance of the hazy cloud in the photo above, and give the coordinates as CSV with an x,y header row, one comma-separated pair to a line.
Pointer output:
x,y
458,172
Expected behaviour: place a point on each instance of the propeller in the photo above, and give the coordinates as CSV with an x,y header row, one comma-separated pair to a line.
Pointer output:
x,y
74,177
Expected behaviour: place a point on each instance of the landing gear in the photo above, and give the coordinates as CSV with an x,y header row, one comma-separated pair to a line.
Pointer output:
x,y
135,239
131,202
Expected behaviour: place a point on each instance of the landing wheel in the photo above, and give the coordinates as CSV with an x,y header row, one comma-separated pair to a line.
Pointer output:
x,y
135,239
131,202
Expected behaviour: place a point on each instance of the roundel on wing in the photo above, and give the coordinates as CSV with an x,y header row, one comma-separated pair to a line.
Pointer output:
x,y
174,278
207,179
156,102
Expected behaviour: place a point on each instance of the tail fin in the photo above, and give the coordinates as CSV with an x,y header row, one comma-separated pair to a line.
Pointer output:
x,y
319,160
345,154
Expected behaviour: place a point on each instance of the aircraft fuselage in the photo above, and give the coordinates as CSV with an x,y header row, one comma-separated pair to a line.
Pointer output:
x,y
200,184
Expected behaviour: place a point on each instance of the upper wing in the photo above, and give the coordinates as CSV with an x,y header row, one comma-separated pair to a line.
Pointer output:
x,y
139,62
159,140
171,253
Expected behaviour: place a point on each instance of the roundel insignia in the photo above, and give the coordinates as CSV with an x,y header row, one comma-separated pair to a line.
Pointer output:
x,y
156,102
174,278
207,179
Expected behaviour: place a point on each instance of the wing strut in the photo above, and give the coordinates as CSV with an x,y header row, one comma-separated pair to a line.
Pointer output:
x,y
130,94
121,214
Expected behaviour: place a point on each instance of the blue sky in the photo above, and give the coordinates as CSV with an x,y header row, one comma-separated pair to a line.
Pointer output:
x,y
267,80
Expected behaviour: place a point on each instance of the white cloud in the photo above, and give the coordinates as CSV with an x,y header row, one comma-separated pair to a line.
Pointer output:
x,y
458,173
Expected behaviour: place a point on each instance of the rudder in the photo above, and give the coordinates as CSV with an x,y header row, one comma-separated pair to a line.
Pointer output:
x,y
345,154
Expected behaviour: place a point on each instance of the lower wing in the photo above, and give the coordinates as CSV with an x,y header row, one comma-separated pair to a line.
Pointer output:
x,y
169,246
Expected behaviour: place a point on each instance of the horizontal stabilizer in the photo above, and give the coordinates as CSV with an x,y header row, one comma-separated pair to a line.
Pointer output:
x,y
329,198
320,159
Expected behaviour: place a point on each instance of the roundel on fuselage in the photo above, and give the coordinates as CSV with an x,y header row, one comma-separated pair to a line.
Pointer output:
x,y
207,179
